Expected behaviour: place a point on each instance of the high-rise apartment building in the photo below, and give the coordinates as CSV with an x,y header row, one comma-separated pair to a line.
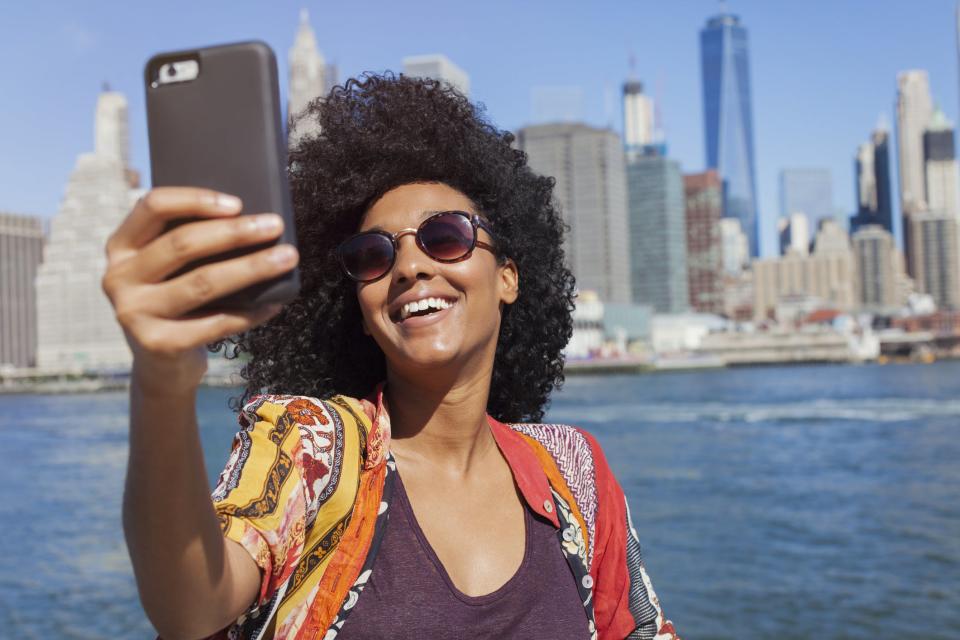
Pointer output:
x,y
21,251
308,80
794,234
827,274
658,234
807,191
703,198
728,119
880,271
438,67
638,117
874,191
940,157
591,190
935,251
76,328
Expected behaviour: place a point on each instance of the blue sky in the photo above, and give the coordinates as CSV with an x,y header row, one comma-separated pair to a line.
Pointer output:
x,y
822,71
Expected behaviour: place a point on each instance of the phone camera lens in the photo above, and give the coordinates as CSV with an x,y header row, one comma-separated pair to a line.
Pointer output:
x,y
171,70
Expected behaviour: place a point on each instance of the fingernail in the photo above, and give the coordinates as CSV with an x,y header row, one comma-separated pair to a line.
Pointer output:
x,y
284,254
266,222
227,202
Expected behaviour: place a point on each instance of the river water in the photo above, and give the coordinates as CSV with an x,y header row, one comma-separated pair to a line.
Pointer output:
x,y
794,502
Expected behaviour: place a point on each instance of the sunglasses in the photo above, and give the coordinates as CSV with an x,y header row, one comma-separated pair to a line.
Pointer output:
x,y
448,236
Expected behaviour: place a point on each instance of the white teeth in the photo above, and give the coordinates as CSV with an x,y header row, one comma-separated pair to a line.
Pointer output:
x,y
423,305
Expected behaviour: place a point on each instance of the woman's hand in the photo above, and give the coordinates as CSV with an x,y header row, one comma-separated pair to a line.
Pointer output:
x,y
168,340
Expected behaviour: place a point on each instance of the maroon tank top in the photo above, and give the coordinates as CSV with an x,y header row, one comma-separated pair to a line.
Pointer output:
x,y
410,594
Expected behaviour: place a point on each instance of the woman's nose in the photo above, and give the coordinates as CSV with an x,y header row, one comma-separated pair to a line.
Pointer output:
x,y
412,263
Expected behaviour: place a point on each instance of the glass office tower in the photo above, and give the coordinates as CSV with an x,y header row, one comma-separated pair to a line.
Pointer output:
x,y
728,119
872,177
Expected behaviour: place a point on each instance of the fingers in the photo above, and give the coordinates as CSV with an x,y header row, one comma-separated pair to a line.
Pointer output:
x,y
204,284
176,248
175,337
156,313
153,211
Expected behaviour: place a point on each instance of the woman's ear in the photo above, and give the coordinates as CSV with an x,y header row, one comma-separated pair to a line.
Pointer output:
x,y
509,280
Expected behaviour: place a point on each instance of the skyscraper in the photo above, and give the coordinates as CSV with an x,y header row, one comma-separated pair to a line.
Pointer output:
x,y
308,79
703,196
588,166
940,158
21,251
438,67
76,328
935,251
728,119
874,193
111,128
880,272
658,234
638,117
807,191
914,110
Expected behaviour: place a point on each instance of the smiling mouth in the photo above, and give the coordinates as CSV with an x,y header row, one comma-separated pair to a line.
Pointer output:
x,y
422,307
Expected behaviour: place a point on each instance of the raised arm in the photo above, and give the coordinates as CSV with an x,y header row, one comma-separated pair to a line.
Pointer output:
x,y
192,581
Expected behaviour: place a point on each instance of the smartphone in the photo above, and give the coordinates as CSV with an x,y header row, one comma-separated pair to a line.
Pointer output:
x,y
214,120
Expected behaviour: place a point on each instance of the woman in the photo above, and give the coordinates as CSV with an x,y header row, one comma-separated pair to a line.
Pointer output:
x,y
434,287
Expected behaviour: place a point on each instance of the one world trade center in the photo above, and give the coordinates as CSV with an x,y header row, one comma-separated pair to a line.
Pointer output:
x,y
728,119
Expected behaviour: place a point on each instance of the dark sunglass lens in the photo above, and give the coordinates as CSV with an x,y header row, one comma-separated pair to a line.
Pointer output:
x,y
368,256
448,236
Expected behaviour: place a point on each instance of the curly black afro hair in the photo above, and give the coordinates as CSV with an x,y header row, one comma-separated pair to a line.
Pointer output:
x,y
376,133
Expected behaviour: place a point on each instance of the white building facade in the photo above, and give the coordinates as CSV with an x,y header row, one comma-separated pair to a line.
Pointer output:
x,y
734,246
828,274
438,67
794,233
638,116
308,81
914,111
76,327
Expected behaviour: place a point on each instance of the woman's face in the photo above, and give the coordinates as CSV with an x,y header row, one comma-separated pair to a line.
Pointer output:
x,y
462,334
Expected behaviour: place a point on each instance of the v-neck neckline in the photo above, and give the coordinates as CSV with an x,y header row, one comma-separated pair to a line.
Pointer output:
x,y
400,496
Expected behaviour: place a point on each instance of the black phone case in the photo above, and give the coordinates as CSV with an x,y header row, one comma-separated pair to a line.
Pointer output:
x,y
223,131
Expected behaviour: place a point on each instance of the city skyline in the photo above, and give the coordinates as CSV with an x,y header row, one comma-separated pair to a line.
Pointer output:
x,y
797,123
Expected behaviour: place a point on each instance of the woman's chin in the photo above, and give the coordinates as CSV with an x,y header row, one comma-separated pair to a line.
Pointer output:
x,y
427,359
430,359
